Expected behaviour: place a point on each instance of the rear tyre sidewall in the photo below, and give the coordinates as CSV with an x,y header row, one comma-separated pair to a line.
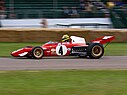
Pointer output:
x,y
95,51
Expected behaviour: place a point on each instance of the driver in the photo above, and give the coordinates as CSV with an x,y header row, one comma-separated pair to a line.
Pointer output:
x,y
65,38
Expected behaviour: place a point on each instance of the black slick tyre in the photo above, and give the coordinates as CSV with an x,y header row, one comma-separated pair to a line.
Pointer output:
x,y
37,52
95,51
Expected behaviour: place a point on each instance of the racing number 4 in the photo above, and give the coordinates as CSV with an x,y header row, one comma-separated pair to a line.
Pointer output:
x,y
61,50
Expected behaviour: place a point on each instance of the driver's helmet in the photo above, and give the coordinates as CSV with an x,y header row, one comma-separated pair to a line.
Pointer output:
x,y
65,38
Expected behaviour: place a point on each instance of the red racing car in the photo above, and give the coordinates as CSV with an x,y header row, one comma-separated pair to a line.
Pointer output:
x,y
76,47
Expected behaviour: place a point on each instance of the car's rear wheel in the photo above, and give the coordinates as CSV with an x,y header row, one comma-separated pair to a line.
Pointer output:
x,y
37,52
95,50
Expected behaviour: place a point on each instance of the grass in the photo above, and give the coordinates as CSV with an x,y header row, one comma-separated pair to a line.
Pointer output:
x,y
113,49
63,82
116,49
7,48
69,82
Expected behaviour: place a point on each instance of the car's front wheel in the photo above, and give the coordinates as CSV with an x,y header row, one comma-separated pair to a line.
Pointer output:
x,y
95,50
37,52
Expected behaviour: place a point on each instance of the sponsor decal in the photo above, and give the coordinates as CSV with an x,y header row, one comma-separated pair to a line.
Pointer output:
x,y
48,51
68,49
53,51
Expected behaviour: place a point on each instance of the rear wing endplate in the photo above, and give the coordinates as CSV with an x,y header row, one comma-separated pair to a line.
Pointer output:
x,y
104,39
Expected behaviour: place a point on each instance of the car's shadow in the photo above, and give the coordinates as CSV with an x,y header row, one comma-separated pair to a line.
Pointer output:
x,y
60,57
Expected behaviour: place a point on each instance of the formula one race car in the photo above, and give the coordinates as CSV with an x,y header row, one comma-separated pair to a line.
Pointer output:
x,y
76,47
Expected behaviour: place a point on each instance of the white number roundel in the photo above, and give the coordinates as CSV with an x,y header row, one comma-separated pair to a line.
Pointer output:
x,y
61,50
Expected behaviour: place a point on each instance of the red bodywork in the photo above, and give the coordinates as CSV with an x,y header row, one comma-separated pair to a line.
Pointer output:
x,y
52,48
103,39
21,52
49,49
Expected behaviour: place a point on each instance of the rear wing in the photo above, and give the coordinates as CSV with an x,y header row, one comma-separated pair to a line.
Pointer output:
x,y
104,39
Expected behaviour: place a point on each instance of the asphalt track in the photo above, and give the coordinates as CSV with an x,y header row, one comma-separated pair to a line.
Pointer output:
x,y
58,63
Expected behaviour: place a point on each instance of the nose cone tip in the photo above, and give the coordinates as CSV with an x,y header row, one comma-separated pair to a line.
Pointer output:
x,y
11,54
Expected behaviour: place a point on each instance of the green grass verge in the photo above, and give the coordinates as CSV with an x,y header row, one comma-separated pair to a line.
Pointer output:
x,y
113,49
70,82
116,49
7,48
